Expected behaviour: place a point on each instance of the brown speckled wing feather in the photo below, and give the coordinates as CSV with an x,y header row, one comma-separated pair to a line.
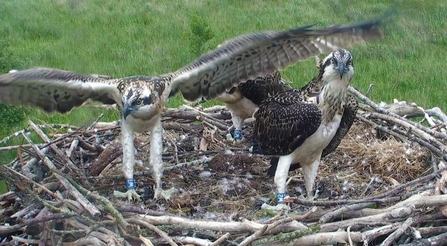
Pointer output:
x,y
55,90
249,56
262,87
284,122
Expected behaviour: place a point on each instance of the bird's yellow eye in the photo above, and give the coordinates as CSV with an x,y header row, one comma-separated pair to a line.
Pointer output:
x,y
139,102
332,61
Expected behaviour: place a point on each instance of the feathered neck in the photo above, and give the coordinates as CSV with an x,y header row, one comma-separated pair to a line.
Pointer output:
x,y
333,95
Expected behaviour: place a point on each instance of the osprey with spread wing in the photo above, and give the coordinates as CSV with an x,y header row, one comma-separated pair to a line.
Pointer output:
x,y
140,99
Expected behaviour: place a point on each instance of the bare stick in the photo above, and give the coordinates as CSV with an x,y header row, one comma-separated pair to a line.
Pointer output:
x,y
298,217
213,119
328,238
436,240
411,127
438,113
53,194
58,152
375,198
274,218
23,240
384,111
221,239
286,237
388,216
348,230
110,153
185,241
232,226
75,193
73,146
432,230
175,148
369,236
334,214
396,234
254,236
108,206
162,234
16,134
18,227
214,108
13,147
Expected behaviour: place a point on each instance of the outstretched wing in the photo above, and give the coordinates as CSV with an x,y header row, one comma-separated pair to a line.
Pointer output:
x,y
284,122
248,56
55,90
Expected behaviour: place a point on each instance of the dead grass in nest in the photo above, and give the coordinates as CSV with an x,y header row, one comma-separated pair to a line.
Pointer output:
x,y
364,164
386,157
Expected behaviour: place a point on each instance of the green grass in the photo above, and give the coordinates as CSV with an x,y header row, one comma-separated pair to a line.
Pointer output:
x,y
123,38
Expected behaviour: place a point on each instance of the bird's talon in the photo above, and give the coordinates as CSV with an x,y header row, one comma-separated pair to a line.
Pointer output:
x,y
131,195
229,137
166,194
277,208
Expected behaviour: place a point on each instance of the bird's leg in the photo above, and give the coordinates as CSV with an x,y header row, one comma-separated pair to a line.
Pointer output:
x,y
237,123
128,163
310,173
157,162
281,174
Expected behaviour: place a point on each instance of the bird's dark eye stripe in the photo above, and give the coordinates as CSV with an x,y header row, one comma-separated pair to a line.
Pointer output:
x,y
328,62
147,100
232,90
130,94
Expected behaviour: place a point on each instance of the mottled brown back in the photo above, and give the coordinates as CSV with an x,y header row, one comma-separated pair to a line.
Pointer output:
x,y
283,122
262,87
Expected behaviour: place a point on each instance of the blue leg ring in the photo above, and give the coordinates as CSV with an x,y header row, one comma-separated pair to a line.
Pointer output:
x,y
280,197
237,134
131,184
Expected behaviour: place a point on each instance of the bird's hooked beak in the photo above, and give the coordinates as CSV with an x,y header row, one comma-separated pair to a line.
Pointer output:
x,y
127,110
341,69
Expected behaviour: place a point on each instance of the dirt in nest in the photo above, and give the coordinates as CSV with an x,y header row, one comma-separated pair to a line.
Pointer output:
x,y
235,182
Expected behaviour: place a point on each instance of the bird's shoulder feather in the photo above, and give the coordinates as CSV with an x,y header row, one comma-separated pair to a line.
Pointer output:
x,y
284,121
262,87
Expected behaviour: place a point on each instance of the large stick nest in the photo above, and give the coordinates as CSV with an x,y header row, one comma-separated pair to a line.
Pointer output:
x,y
383,184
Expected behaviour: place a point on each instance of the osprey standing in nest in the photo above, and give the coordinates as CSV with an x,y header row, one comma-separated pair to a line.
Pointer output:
x,y
243,100
302,125
141,99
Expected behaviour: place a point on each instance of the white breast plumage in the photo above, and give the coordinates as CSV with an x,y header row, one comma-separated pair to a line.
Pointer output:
x,y
314,145
243,108
138,125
